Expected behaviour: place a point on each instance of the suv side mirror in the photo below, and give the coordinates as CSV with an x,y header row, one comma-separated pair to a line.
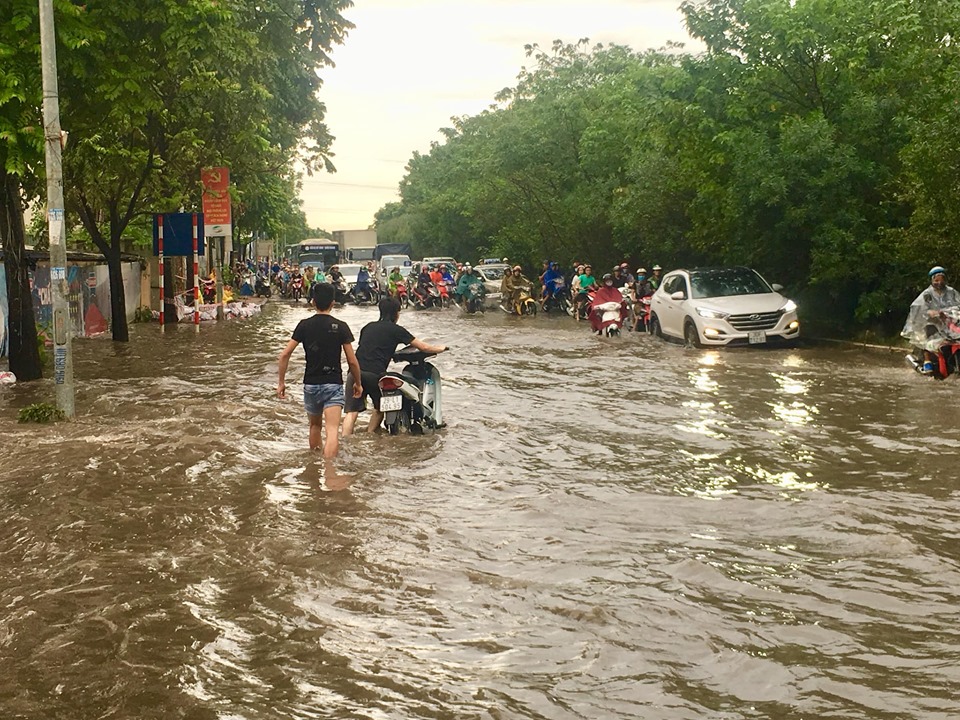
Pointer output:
x,y
777,287
678,295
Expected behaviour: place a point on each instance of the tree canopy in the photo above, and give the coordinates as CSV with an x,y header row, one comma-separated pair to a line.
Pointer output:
x,y
816,140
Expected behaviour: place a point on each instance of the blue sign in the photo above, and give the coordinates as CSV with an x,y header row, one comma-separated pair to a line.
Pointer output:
x,y
178,234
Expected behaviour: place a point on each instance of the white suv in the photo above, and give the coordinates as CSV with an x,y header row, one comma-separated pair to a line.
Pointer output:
x,y
722,306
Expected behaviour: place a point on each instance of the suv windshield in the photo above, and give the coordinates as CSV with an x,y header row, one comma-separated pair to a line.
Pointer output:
x,y
724,282
492,273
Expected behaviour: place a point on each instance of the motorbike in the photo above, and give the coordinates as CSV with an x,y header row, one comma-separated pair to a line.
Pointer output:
x,y
262,287
427,296
628,303
473,300
296,288
610,318
643,313
524,305
411,398
557,300
402,295
444,289
947,356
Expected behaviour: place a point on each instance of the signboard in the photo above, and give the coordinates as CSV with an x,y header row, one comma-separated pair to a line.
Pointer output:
x,y
216,202
178,235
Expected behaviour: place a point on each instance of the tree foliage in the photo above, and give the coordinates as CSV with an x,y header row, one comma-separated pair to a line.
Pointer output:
x,y
816,140
167,87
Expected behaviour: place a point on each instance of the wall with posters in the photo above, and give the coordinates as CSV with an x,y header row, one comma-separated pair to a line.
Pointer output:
x,y
88,297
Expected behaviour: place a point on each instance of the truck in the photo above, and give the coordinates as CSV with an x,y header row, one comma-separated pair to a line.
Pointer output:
x,y
356,245
392,249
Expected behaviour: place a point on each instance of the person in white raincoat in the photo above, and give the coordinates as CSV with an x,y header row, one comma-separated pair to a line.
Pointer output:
x,y
928,325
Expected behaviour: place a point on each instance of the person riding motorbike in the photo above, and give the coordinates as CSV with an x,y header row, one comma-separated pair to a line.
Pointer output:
x,y
309,278
655,278
467,279
607,292
641,289
361,289
512,285
393,281
926,325
424,283
585,282
553,282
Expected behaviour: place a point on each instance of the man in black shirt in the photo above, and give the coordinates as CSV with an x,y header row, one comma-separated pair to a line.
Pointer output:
x,y
378,342
323,337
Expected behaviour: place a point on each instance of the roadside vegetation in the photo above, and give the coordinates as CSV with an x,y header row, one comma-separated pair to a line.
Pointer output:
x,y
817,141
151,92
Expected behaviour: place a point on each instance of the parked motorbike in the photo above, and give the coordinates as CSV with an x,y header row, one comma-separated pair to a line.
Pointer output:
x,y
411,398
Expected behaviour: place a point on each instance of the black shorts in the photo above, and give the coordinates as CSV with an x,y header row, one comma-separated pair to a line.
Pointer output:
x,y
371,387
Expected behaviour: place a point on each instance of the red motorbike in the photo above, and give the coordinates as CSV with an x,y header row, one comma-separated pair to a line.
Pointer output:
x,y
643,311
402,295
296,288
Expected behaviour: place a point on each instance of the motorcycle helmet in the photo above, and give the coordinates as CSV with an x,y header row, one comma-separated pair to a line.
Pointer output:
x,y
657,267
606,277
641,271
517,268
936,270
624,266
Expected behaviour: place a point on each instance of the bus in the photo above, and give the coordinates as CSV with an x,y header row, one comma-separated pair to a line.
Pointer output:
x,y
318,253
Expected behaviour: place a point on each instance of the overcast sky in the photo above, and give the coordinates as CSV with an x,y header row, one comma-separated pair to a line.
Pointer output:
x,y
411,65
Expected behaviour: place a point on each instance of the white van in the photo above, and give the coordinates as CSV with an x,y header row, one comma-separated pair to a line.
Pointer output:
x,y
387,262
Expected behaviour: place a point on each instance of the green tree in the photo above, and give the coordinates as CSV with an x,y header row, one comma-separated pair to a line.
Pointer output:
x,y
170,86
21,157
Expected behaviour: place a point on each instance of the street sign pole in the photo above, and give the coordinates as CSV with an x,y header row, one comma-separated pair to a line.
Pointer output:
x,y
62,326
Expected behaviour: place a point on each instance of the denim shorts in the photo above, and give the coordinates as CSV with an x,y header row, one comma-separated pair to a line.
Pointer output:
x,y
316,398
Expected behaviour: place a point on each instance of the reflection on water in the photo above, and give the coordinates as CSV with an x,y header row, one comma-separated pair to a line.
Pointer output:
x,y
608,528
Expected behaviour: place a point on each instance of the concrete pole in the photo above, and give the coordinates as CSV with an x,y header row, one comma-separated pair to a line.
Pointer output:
x,y
196,278
62,327
163,273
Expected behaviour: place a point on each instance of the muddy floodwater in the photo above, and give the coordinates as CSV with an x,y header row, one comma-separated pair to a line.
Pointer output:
x,y
606,529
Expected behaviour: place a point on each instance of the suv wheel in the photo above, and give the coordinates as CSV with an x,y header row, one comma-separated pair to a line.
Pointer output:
x,y
655,326
690,333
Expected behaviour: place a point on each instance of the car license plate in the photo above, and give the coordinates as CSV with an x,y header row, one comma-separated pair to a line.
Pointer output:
x,y
391,403
757,337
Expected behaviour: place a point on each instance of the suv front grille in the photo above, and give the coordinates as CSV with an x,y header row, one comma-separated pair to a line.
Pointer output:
x,y
755,321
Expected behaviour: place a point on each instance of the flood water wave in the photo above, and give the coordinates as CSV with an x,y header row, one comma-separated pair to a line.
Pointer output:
x,y
606,529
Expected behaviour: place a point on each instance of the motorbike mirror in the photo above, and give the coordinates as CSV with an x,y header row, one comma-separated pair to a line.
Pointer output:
x,y
678,295
777,287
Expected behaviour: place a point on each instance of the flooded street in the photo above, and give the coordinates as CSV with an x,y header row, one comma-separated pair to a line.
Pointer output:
x,y
605,529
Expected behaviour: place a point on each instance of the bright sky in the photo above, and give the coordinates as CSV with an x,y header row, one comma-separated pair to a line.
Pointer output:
x,y
411,65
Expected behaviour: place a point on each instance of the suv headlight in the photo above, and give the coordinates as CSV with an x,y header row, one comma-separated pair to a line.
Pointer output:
x,y
708,313
790,307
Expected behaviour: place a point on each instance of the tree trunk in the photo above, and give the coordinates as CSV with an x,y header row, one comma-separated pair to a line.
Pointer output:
x,y
22,349
118,297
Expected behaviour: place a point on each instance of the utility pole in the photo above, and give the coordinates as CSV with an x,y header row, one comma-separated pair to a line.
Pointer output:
x,y
62,326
